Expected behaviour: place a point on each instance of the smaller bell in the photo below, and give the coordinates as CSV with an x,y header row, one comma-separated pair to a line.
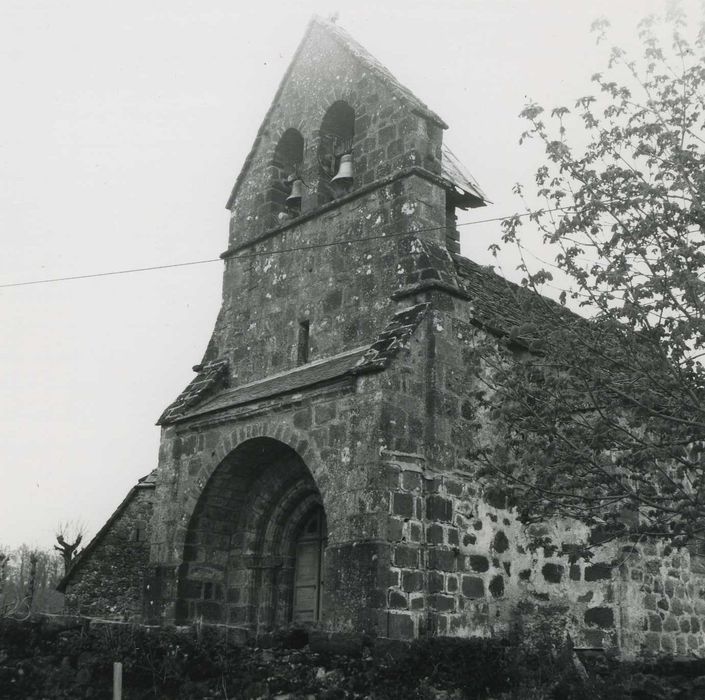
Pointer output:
x,y
297,191
345,171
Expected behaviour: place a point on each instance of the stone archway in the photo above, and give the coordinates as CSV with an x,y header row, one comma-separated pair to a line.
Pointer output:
x,y
239,559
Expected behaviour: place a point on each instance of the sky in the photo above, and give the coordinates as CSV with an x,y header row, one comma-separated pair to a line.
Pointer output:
x,y
123,127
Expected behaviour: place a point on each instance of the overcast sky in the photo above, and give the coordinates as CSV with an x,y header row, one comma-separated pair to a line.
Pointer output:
x,y
123,127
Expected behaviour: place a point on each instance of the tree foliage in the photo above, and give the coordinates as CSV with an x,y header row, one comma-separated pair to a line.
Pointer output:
x,y
69,536
28,580
602,414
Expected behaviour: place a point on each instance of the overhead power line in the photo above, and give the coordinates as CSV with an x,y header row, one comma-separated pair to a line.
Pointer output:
x,y
108,274
272,252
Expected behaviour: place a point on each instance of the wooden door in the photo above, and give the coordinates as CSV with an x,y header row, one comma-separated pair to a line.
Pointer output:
x,y
308,569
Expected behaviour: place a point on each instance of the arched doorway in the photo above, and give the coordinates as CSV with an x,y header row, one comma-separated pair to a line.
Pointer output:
x,y
258,516
308,569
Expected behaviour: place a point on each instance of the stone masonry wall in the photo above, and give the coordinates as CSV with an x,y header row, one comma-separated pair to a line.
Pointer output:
x,y
333,431
462,565
670,598
110,583
343,291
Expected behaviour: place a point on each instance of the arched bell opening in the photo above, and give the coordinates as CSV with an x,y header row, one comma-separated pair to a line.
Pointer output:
x,y
335,144
243,541
286,188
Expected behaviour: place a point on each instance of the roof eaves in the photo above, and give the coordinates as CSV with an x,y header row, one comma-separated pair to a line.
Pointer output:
x,y
393,338
496,300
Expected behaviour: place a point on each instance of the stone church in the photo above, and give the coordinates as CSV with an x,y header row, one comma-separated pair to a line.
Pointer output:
x,y
314,473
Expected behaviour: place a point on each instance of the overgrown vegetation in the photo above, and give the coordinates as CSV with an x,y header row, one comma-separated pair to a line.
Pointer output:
x,y
603,418
28,579
42,659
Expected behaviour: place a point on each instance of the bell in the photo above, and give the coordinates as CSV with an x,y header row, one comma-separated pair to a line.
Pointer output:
x,y
297,190
345,171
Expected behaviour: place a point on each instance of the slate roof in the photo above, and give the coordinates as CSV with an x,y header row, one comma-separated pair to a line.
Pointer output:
x,y
310,374
393,338
211,376
368,358
452,169
501,305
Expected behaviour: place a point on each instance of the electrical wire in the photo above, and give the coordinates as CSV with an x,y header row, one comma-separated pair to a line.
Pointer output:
x,y
246,256
263,254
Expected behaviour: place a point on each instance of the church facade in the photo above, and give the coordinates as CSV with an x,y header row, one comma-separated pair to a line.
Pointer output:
x,y
315,473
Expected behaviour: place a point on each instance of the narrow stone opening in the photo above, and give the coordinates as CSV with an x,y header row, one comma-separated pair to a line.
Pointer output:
x,y
302,352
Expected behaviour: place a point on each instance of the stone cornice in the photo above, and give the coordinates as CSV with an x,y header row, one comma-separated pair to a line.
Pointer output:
x,y
341,201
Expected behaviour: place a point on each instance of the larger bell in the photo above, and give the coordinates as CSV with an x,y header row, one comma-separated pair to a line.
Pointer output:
x,y
345,171
297,191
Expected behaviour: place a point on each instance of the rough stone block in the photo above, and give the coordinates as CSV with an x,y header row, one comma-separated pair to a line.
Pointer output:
x,y
401,626
411,481
500,542
654,622
552,573
600,617
668,644
442,559
397,600
473,587
386,135
396,529
406,556
478,562
652,642
436,582
670,624
497,586
598,572
453,488
442,603
403,505
434,534
211,611
417,603
412,581
439,508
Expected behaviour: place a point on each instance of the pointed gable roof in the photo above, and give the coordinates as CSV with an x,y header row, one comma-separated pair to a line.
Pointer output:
x,y
376,68
362,55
